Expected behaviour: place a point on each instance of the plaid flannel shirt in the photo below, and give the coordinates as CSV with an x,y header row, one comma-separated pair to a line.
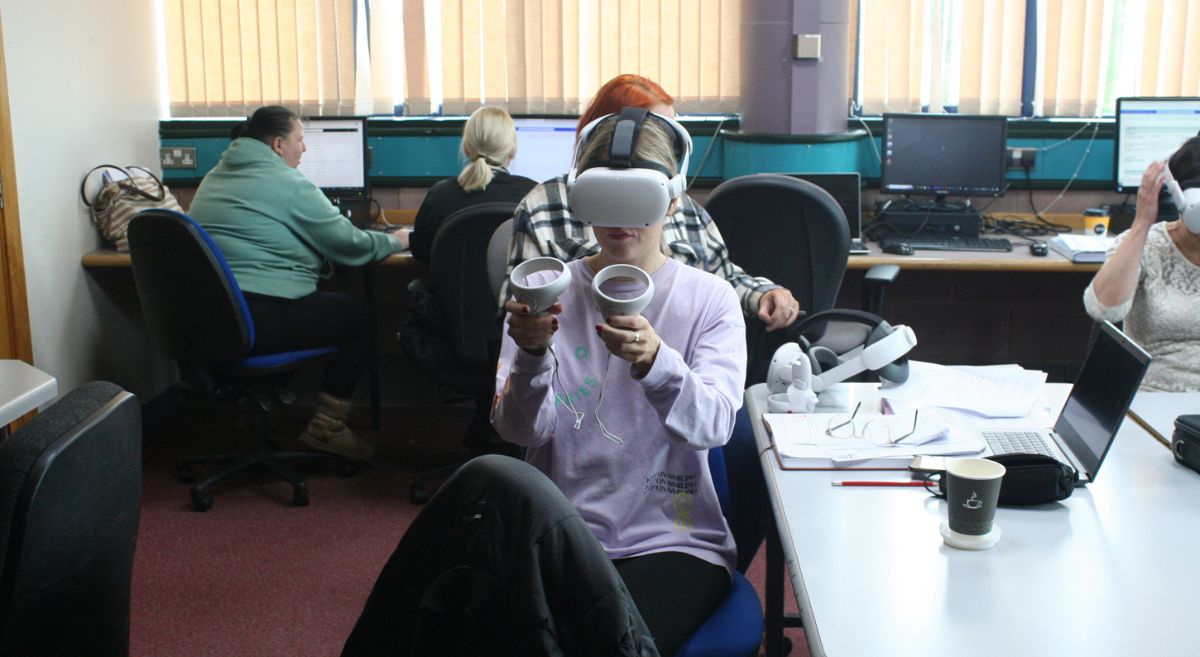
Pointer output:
x,y
543,226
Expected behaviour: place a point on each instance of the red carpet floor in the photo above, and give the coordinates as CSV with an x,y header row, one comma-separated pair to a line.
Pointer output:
x,y
256,576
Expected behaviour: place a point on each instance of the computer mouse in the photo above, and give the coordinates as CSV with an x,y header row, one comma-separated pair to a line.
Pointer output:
x,y
1038,248
898,248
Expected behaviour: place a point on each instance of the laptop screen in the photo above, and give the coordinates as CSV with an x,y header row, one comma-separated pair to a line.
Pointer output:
x,y
1102,393
845,188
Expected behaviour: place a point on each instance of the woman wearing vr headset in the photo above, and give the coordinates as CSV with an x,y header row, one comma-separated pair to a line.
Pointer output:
x,y
620,411
544,225
280,235
489,143
1151,278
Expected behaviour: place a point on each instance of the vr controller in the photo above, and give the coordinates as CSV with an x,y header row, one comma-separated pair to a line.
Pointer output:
x,y
539,298
609,306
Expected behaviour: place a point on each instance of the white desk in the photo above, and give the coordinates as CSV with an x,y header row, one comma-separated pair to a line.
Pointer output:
x,y
1108,571
1156,411
22,389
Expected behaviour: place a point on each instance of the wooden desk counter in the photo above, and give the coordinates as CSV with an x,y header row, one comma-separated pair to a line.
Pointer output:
x,y
1018,259
111,258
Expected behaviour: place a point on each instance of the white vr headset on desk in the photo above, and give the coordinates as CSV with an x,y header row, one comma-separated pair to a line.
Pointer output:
x,y
803,371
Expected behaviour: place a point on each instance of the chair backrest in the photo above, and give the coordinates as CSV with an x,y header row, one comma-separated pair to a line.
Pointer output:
x,y
459,263
786,229
497,256
70,495
191,302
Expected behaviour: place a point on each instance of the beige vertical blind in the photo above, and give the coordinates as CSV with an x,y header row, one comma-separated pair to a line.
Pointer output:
x,y
918,52
1094,51
229,57
550,56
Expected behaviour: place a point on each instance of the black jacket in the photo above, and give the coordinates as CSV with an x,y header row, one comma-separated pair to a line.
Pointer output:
x,y
499,563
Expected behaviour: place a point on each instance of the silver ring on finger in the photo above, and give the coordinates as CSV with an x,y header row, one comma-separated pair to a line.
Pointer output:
x,y
637,337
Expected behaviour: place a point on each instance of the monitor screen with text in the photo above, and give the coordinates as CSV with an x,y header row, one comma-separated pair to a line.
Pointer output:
x,y
544,147
1150,129
335,158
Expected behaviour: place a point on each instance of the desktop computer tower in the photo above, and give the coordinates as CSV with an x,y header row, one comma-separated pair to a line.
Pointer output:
x,y
934,223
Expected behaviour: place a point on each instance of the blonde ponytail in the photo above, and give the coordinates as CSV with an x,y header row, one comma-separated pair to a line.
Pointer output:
x,y
489,142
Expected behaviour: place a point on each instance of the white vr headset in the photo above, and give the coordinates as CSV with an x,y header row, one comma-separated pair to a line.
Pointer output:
x,y
883,352
1186,200
622,191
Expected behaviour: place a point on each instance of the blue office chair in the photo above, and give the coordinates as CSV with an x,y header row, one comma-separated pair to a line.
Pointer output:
x,y
196,312
736,628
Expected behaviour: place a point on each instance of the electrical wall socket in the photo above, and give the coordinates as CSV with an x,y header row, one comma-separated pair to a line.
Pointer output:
x,y
1021,158
177,157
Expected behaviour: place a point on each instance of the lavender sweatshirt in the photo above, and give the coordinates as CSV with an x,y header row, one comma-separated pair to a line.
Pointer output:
x,y
653,492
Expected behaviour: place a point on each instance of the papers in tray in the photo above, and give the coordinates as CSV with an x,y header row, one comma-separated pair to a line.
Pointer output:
x,y
801,441
986,391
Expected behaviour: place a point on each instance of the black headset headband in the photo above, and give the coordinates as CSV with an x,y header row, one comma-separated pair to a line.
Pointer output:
x,y
622,147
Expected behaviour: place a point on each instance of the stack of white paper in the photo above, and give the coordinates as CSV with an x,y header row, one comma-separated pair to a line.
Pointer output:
x,y
802,440
991,392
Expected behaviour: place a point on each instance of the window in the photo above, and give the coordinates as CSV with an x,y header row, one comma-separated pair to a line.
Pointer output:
x,y
227,57
1013,57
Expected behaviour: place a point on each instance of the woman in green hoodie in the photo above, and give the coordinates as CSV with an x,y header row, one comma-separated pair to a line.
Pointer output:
x,y
280,235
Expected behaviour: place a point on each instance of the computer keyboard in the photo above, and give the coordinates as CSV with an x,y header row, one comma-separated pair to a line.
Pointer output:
x,y
928,243
1017,442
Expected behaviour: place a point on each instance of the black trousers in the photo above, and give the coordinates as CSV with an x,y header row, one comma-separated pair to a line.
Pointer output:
x,y
675,594
320,319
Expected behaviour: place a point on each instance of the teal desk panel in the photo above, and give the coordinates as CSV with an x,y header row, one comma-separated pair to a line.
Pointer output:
x,y
434,156
747,156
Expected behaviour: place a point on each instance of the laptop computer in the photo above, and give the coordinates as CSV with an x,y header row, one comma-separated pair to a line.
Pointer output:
x,y
846,189
1088,423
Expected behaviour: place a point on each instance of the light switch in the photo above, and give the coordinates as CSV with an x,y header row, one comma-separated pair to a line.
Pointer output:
x,y
808,46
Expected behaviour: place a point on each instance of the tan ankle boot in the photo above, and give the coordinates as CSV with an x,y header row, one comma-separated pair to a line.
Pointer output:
x,y
327,430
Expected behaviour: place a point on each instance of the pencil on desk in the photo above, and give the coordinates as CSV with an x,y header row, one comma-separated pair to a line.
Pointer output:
x,y
877,483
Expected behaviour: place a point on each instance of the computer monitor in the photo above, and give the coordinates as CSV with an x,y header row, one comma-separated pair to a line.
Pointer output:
x,y
944,154
545,147
1150,129
846,189
336,156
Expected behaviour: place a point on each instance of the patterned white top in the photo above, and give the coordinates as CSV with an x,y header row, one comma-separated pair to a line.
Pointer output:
x,y
1163,315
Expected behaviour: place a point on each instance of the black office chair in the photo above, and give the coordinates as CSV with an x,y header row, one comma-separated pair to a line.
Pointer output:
x,y
196,311
70,498
460,277
790,231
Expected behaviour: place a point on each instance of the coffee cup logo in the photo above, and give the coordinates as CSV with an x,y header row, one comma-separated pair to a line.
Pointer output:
x,y
973,502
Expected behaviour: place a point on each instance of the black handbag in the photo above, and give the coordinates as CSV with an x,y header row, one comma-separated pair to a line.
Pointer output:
x,y
1028,479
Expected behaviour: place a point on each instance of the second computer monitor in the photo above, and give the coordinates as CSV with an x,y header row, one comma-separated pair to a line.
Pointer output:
x,y
944,154
1150,129
335,158
845,188
545,147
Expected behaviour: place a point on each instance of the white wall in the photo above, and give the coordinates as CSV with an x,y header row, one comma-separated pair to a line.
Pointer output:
x,y
83,89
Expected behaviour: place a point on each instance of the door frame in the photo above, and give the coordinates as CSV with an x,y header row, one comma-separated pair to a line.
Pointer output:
x,y
15,335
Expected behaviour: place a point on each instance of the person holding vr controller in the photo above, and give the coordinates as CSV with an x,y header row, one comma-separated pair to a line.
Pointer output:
x,y
1151,278
544,225
620,411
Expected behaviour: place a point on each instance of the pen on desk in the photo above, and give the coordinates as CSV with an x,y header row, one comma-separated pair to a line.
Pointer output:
x,y
878,483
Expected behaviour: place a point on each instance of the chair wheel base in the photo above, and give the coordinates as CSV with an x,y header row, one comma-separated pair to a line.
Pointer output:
x,y
201,501
417,494
300,496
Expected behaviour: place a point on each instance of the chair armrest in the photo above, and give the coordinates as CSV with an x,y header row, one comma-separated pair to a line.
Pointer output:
x,y
875,281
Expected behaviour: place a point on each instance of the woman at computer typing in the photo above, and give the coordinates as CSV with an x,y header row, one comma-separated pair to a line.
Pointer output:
x,y
489,143
280,235
620,413
1151,280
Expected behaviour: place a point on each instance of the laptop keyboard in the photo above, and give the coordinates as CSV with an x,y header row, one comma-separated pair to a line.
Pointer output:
x,y
1018,442
924,243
